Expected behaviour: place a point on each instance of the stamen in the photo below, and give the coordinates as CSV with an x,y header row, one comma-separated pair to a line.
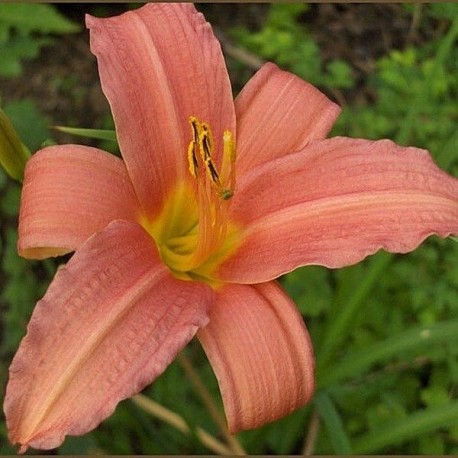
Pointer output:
x,y
202,139
214,189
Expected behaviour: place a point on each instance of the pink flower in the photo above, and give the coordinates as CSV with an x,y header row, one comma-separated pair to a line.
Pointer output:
x,y
212,201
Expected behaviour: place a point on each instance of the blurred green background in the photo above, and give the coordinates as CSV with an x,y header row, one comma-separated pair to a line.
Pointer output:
x,y
385,331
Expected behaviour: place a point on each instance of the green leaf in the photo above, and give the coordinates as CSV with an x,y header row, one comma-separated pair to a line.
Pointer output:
x,y
99,134
18,21
17,48
446,10
30,123
35,17
13,156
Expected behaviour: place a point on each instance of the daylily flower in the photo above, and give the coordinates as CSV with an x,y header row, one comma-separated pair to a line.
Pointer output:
x,y
212,201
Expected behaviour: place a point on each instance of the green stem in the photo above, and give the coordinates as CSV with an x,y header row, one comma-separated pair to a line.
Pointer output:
x,y
312,434
177,422
207,399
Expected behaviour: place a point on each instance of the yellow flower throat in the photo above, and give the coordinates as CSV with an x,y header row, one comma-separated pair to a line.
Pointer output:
x,y
193,232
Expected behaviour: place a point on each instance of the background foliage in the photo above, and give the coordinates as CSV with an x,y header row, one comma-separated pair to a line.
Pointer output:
x,y
385,331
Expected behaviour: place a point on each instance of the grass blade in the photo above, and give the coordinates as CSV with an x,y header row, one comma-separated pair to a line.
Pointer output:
x,y
414,425
333,423
99,134
415,339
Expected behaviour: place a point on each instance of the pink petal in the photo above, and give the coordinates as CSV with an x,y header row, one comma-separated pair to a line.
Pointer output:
x,y
159,65
336,202
69,193
261,353
278,113
112,320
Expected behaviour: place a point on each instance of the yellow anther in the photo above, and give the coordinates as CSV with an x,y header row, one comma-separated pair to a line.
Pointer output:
x,y
195,127
206,140
193,145
192,159
212,172
202,140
